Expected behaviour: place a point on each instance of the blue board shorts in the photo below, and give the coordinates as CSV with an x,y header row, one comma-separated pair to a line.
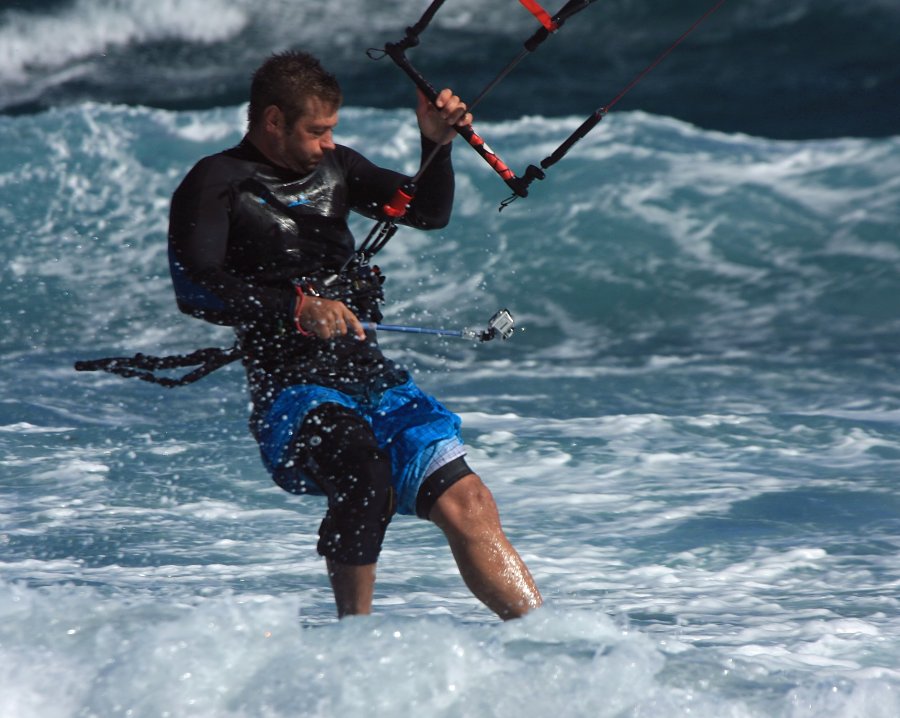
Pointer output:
x,y
418,433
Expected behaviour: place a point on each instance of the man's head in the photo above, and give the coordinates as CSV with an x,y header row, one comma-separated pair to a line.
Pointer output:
x,y
289,80
293,109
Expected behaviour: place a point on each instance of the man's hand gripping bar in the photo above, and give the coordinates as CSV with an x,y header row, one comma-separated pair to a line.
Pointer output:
x,y
396,52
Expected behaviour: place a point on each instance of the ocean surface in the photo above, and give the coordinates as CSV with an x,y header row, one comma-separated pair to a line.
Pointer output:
x,y
693,436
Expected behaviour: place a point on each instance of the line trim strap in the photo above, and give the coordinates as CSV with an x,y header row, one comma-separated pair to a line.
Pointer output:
x,y
542,15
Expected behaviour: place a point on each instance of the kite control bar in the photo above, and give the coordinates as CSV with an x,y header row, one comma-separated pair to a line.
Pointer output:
x,y
467,132
501,324
549,25
397,52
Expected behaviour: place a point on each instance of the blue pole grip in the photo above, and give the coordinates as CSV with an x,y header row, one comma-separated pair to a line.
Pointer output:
x,y
372,326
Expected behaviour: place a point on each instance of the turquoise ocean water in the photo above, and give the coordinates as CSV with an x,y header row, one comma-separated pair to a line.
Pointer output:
x,y
693,436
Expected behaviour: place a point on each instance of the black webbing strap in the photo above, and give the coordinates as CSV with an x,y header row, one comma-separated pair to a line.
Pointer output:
x,y
143,367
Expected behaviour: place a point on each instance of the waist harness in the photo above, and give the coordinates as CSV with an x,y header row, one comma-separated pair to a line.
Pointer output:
x,y
359,286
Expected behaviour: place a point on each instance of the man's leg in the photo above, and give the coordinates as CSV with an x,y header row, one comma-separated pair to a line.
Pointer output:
x,y
488,563
341,455
353,587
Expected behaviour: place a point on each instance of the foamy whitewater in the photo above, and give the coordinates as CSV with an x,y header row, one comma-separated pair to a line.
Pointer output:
x,y
693,436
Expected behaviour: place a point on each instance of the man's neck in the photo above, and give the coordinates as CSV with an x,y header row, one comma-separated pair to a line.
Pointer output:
x,y
260,143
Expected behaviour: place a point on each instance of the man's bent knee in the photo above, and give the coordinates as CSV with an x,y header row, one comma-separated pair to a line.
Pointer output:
x,y
437,484
468,503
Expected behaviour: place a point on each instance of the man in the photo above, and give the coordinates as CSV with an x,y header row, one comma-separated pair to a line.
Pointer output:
x,y
259,240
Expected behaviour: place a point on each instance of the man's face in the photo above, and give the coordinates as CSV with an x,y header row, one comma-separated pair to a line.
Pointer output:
x,y
303,145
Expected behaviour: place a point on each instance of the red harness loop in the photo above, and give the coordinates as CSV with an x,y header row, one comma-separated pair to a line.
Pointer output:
x,y
396,207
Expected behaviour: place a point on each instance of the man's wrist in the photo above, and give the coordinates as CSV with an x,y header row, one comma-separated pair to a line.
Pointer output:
x,y
298,309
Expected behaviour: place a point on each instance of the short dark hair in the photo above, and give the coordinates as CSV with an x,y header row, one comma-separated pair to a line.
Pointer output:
x,y
287,80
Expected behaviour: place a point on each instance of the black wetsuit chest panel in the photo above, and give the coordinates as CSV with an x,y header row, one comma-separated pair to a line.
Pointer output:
x,y
297,226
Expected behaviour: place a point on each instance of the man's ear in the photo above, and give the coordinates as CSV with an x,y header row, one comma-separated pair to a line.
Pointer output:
x,y
273,119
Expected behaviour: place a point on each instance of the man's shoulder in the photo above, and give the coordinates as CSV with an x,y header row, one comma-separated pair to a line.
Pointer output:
x,y
347,156
231,159
220,168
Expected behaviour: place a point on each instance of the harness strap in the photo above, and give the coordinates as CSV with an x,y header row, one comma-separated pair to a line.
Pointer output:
x,y
142,367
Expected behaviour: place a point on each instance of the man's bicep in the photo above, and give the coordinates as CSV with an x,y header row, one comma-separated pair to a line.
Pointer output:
x,y
369,185
372,186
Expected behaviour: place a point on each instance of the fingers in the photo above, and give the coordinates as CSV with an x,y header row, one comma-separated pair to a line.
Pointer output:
x,y
452,109
327,319
437,119
353,325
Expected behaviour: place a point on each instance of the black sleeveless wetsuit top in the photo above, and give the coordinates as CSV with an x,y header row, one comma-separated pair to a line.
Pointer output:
x,y
243,230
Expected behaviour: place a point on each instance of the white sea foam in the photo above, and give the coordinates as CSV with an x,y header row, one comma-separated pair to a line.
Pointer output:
x,y
88,28
23,427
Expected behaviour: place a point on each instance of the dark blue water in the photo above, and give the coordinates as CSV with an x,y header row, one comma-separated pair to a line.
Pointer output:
x,y
808,69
